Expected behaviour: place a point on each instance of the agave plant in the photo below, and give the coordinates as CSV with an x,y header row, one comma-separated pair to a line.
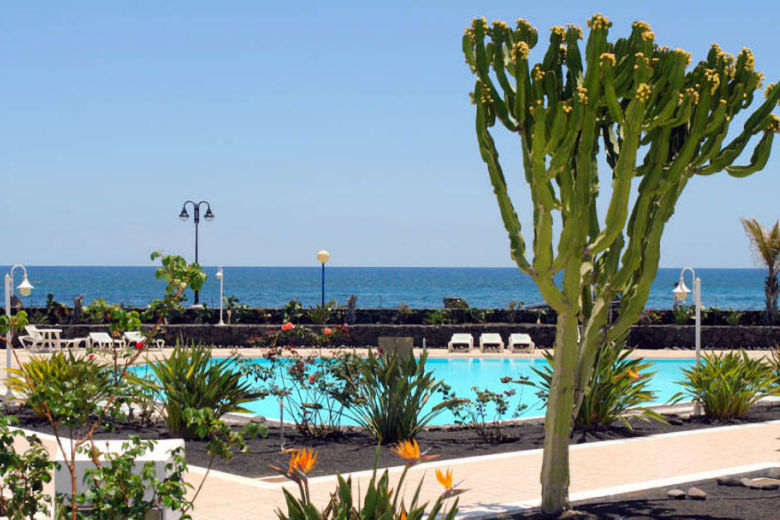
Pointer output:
x,y
391,394
616,386
70,387
190,378
728,385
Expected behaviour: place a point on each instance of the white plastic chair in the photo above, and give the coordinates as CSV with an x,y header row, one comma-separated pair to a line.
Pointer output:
x,y
490,341
461,342
519,342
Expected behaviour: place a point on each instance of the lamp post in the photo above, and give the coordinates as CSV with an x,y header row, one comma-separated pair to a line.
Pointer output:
x,y
196,217
323,256
221,287
680,293
24,289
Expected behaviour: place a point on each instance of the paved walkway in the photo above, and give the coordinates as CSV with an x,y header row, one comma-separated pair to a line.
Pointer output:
x,y
507,481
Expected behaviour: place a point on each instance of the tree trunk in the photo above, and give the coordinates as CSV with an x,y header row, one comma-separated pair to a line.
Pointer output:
x,y
771,290
558,420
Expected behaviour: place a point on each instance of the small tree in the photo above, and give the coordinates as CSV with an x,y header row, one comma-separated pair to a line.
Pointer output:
x,y
659,124
766,243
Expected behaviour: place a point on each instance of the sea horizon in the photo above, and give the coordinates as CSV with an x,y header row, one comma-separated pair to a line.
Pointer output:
x,y
375,287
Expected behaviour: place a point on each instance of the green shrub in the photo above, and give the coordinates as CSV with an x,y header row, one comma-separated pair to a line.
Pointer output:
x,y
486,412
388,394
727,385
189,378
315,390
683,314
71,386
616,385
22,475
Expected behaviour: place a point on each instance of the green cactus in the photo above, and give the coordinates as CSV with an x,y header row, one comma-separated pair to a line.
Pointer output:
x,y
659,122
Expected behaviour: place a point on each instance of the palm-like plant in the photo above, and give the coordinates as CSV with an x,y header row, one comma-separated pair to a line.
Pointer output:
x,y
766,243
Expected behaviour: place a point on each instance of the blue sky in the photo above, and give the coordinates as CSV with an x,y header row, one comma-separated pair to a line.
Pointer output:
x,y
307,125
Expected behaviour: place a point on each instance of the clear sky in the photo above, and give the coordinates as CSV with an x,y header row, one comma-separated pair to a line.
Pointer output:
x,y
307,125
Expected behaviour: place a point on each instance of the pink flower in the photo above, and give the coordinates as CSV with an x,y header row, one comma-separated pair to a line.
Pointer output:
x,y
91,356
139,345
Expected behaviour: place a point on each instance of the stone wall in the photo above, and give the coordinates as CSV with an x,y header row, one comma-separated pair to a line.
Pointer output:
x,y
437,336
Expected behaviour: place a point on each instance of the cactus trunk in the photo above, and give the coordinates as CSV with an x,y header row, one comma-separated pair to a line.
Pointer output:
x,y
657,123
558,418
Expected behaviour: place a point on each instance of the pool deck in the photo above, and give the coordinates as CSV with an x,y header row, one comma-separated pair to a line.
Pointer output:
x,y
510,481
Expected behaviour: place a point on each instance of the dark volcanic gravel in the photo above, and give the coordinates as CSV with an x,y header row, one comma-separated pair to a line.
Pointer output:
x,y
354,450
721,503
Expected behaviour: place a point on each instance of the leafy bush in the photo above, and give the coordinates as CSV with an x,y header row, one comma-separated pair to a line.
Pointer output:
x,y
314,390
733,317
616,385
485,413
22,475
116,489
69,387
387,395
727,385
189,378
683,314
381,502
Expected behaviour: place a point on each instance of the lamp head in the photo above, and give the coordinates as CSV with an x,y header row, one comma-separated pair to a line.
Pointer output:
x,y
25,287
209,215
681,291
323,256
184,215
219,273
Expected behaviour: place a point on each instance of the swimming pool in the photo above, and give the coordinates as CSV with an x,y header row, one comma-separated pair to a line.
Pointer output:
x,y
461,374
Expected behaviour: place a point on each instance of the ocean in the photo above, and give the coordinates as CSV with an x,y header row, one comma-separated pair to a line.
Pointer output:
x,y
375,287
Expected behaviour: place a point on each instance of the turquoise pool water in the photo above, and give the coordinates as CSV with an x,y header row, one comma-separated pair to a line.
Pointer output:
x,y
464,373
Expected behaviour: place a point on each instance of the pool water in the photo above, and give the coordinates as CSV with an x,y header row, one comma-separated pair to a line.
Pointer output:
x,y
462,374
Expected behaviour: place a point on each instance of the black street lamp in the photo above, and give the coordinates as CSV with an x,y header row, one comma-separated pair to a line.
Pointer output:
x,y
196,217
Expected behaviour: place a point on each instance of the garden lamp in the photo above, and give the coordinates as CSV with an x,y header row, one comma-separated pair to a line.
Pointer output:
x,y
24,289
680,293
323,256
184,215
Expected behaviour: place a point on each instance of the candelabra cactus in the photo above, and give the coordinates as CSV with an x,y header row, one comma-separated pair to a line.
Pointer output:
x,y
658,121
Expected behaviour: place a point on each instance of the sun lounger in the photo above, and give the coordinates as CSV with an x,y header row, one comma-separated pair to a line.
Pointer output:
x,y
100,340
490,341
132,337
33,339
520,343
461,342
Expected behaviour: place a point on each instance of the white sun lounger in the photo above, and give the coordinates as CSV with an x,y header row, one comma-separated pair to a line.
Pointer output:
x,y
464,342
100,340
33,339
519,342
131,337
490,341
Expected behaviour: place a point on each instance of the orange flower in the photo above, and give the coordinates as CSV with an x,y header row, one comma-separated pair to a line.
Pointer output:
x,y
633,374
326,331
303,461
445,479
287,326
403,516
410,451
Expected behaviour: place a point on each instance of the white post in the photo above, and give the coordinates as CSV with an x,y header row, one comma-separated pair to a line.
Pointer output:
x,y
8,338
697,302
221,276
